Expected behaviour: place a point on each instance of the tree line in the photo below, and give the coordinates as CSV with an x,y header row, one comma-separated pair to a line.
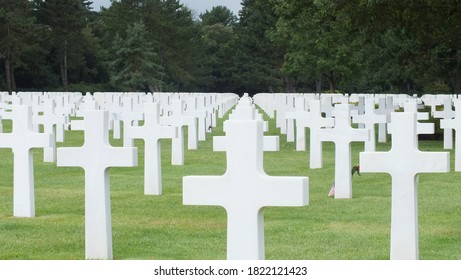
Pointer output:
x,y
404,46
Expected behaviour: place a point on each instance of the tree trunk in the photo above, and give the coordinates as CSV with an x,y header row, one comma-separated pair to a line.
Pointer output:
x,y
64,69
8,73
13,79
318,85
456,85
331,81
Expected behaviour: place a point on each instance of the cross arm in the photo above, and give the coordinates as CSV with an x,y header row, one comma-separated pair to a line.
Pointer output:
x,y
203,190
70,157
433,162
120,156
284,191
379,162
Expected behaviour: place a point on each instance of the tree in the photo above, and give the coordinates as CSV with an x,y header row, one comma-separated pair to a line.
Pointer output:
x,y
65,19
217,39
218,15
322,43
134,66
171,31
257,59
16,36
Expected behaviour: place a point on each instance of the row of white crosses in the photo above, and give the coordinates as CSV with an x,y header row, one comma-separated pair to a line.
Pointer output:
x,y
245,189
403,162
96,156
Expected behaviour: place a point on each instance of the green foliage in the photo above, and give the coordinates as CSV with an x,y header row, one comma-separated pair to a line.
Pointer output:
x,y
257,59
218,15
65,20
277,45
134,66
17,40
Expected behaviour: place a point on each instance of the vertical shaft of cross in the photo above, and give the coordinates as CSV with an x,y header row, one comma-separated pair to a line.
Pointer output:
x,y
343,166
404,218
247,227
98,224
152,168
23,193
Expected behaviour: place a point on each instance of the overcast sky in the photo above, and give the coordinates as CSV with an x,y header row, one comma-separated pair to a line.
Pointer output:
x,y
199,6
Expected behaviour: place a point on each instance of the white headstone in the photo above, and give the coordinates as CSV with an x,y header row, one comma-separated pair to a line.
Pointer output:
x,y
151,132
456,125
130,118
447,113
386,107
369,118
179,120
51,123
21,140
421,128
245,189
201,115
404,162
342,134
96,156
314,120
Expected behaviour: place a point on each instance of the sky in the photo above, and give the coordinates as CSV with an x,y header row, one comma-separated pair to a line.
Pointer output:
x,y
199,6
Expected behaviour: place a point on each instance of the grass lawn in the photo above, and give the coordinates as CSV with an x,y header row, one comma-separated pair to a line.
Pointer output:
x,y
160,227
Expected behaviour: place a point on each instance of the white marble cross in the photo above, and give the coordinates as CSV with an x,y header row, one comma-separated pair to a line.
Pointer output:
x,y
421,128
129,118
404,162
314,120
96,156
447,113
292,117
201,115
369,119
456,125
51,123
386,107
179,120
21,140
245,189
151,132
342,134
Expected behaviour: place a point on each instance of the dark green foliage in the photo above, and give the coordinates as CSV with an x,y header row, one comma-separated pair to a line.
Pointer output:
x,y
134,66
276,45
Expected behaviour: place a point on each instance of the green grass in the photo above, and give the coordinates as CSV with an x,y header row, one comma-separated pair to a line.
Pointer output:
x,y
160,227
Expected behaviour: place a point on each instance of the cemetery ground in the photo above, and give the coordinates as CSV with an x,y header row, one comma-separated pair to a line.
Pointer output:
x,y
161,227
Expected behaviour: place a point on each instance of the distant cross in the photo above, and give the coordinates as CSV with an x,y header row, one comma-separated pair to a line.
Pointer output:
x,y
115,108
21,140
292,117
446,114
201,115
96,156
179,120
327,106
151,132
456,125
65,109
245,189
369,118
386,107
129,117
432,101
421,128
342,134
51,123
281,108
404,162
314,120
